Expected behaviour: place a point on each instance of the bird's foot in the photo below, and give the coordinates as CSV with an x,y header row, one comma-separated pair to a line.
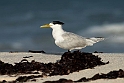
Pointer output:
x,y
69,51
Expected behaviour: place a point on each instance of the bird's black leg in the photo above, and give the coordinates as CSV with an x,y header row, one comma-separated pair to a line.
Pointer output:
x,y
78,51
69,51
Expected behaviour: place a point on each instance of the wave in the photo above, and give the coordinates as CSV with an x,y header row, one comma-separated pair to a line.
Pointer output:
x,y
114,32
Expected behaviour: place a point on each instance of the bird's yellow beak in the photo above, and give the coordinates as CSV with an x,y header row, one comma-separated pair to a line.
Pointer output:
x,y
45,26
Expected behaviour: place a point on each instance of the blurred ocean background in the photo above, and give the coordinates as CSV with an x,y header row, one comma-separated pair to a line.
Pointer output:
x,y
20,22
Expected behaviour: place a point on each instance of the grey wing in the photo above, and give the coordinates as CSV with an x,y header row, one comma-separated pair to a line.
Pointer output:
x,y
72,40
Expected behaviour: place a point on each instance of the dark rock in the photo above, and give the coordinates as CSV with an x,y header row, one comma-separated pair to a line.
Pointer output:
x,y
27,56
36,51
97,52
13,52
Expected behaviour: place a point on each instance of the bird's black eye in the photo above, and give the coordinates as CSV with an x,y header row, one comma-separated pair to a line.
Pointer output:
x,y
57,22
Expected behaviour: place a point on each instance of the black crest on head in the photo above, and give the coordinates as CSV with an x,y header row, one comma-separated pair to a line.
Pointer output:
x,y
57,22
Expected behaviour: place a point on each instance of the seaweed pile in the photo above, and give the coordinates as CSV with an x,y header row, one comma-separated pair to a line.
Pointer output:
x,y
69,62
110,75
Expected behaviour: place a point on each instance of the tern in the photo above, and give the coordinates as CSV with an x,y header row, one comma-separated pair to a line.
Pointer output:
x,y
69,40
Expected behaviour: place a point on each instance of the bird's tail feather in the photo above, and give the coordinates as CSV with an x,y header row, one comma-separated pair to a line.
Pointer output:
x,y
97,39
91,41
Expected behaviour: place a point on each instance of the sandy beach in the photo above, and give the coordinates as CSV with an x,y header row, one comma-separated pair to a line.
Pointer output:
x,y
116,62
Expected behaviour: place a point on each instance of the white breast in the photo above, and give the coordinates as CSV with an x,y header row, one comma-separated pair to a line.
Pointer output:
x,y
58,37
57,34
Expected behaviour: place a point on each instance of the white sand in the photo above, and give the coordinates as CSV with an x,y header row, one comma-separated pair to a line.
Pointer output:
x,y
116,62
